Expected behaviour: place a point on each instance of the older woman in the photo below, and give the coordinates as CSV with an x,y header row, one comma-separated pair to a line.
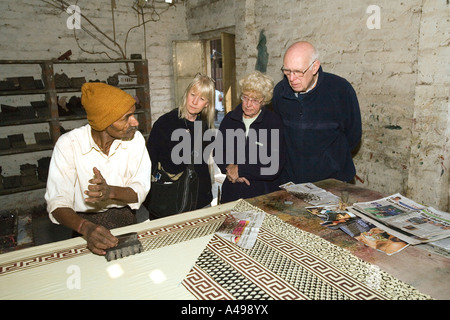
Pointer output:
x,y
194,115
253,145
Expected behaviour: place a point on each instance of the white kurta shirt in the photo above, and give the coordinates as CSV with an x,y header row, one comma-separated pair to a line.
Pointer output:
x,y
71,167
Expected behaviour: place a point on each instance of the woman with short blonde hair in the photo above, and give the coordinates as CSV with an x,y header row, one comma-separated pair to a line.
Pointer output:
x,y
260,129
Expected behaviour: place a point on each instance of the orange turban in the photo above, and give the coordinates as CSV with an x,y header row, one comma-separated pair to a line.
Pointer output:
x,y
104,104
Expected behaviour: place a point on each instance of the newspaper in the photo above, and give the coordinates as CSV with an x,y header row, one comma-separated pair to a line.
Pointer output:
x,y
405,219
335,218
242,228
311,194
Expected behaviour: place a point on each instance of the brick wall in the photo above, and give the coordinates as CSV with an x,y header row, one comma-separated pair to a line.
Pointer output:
x,y
33,30
399,71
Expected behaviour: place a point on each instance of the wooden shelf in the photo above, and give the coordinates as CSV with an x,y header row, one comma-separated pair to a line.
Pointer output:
x,y
40,185
50,92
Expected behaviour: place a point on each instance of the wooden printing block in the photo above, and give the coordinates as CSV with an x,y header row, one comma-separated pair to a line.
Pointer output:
x,y
41,108
62,81
17,140
28,174
42,138
27,83
10,113
128,245
75,106
9,109
77,82
4,144
38,84
28,169
7,86
43,165
15,82
27,112
11,182
28,180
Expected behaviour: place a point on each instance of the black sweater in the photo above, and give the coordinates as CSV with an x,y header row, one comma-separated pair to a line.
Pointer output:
x,y
321,128
259,160
160,146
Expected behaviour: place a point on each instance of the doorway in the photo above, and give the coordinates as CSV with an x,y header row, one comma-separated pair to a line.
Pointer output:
x,y
216,66
214,57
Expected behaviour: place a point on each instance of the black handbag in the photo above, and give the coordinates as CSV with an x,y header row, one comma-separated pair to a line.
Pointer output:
x,y
172,193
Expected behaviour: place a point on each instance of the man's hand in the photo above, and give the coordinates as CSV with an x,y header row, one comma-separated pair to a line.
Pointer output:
x,y
98,190
98,238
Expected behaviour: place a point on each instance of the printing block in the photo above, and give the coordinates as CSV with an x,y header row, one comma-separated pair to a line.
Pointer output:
x,y
28,174
4,144
17,140
128,245
42,138
27,83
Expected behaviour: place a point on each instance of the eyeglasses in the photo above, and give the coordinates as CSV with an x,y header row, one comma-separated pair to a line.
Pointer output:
x,y
297,73
255,102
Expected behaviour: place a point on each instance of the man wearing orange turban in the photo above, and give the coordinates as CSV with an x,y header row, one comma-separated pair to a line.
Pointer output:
x,y
99,173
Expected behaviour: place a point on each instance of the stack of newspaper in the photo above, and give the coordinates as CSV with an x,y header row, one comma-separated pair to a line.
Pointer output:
x,y
394,220
242,228
311,194
405,219
335,218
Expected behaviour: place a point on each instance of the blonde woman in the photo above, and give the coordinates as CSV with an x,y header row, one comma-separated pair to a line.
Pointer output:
x,y
253,145
175,135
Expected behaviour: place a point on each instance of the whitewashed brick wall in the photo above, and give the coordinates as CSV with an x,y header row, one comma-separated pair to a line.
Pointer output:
x,y
399,70
30,29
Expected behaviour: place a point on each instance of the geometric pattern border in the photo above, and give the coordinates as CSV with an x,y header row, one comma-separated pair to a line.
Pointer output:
x,y
150,239
274,284
43,259
288,263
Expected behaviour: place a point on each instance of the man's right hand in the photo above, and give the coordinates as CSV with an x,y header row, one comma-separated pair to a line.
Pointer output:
x,y
98,238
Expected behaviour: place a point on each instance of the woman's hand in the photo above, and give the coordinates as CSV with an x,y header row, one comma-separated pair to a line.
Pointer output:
x,y
233,174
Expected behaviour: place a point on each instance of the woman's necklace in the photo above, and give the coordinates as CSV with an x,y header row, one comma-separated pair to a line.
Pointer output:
x,y
186,125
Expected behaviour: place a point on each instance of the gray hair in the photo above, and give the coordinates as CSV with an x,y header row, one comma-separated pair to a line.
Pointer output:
x,y
258,83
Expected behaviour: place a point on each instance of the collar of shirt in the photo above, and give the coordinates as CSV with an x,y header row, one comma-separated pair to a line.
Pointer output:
x,y
86,148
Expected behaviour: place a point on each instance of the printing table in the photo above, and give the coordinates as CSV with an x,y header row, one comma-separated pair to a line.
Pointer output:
x,y
416,265
67,270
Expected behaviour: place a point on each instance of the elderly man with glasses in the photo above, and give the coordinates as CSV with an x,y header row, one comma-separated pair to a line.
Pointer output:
x,y
321,118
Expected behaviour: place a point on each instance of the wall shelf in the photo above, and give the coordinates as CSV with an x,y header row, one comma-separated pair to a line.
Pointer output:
x,y
50,92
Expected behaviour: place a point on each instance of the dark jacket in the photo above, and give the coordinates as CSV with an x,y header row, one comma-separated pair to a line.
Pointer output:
x,y
160,146
321,128
260,157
